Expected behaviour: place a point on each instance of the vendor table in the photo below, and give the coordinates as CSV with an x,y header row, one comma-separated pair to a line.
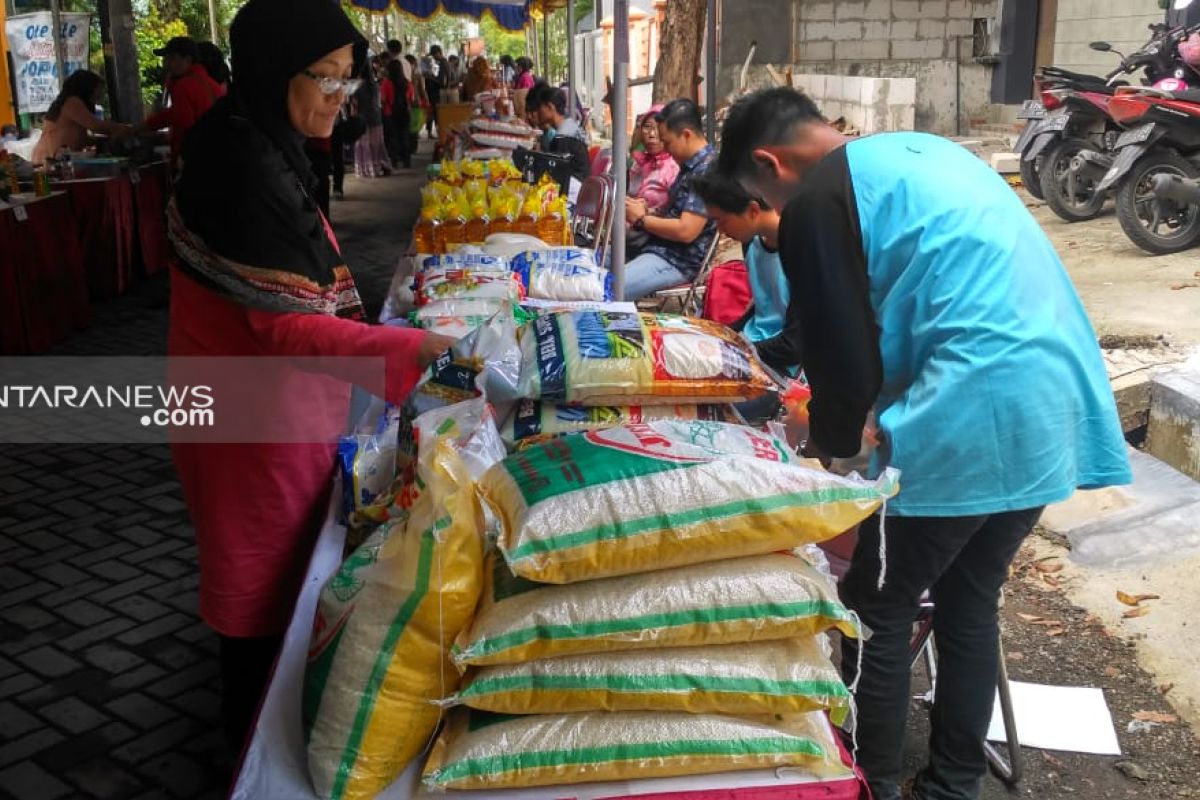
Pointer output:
x,y
273,764
43,288
122,226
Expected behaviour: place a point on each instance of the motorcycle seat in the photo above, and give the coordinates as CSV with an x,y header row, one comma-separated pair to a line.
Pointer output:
x,y
1058,73
1187,96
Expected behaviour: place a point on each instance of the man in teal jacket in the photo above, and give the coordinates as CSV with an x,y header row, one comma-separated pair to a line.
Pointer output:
x,y
922,288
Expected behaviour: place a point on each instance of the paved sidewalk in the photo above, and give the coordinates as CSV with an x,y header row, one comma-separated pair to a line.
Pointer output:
x,y
109,684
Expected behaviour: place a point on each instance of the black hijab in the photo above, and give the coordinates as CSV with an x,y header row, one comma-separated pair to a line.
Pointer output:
x,y
243,221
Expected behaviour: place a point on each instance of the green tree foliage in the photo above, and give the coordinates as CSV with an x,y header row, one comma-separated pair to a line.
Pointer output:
x,y
153,31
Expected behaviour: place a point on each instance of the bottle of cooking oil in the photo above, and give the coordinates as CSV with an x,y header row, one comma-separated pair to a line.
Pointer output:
x,y
531,210
454,225
501,217
550,226
477,226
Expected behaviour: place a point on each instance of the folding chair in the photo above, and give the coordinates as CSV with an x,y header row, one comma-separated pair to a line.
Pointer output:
x,y
687,298
593,214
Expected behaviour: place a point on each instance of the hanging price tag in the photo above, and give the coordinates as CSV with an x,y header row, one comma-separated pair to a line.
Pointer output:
x,y
20,213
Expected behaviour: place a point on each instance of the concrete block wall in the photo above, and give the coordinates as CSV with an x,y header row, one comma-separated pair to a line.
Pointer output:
x,y
914,39
871,104
1121,23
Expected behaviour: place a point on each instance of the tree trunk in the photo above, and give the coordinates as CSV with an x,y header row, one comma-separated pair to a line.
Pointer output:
x,y
679,50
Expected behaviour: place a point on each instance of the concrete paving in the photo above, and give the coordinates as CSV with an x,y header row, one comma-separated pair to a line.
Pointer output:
x,y
109,684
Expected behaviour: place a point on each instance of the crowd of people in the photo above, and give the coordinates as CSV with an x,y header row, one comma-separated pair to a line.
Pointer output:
x,y
948,320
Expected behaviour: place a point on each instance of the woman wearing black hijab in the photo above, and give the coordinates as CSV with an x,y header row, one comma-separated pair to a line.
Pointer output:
x,y
257,273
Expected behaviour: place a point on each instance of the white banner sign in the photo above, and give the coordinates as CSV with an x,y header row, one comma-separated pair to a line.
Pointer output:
x,y
35,68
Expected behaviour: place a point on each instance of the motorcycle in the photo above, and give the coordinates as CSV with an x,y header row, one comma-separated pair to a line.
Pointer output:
x,y
1072,148
1156,167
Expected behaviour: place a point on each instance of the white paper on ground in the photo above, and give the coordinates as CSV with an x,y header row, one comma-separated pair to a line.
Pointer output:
x,y
1071,718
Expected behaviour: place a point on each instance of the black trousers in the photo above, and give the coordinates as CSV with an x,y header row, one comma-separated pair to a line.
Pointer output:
x,y
245,668
962,562
401,121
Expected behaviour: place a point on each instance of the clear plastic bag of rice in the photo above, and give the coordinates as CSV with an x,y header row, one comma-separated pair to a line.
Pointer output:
x,y
532,420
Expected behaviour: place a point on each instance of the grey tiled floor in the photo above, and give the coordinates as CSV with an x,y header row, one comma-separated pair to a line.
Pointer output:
x,y
109,684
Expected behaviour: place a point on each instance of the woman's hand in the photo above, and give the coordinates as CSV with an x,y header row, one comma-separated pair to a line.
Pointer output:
x,y
432,346
635,209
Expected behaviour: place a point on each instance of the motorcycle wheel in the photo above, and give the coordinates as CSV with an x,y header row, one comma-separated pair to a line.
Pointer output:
x,y
1070,197
1029,176
1157,226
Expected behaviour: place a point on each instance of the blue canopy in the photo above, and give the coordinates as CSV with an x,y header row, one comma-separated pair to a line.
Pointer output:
x,y
511,14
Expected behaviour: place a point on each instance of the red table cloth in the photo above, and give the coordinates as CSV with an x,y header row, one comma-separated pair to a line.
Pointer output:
x,y
43,285
150,199
106,226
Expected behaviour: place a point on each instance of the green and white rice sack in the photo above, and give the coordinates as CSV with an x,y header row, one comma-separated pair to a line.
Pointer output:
x,y
785,676
478,750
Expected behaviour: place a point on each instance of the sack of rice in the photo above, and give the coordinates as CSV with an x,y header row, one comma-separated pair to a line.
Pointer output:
x,y
598,358
367,460
532,420
661,494
564,274
476,262
785,676
759,598
478,750
379,652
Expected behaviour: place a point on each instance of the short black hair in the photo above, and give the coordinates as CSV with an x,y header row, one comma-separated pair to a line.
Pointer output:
x,y
394,46
552,96
436,50
766,117
721,191
679,115
534,98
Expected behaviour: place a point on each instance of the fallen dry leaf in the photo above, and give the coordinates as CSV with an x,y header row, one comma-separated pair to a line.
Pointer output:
x,y
1045,566
1052,761
1163,688
1135,599
1175,287
1017,655
1155,716
1055,631
1052,580
1028,617
1111,671
1140,611
1049,623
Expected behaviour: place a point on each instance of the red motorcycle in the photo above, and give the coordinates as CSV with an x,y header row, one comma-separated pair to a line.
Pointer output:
x,y
1156,167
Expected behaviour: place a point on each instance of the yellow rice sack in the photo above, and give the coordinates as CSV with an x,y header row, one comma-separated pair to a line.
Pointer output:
x,y
665,493
598,358
532,420
786,676
379,653
773,596
484,751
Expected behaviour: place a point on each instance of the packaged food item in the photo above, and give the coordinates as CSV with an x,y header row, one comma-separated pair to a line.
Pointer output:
x,y
597,358
487,361
454,284
785,676
474,262
454,223
531,211
367,460
758,598
553,222
665,493
532,420
456,318
563,274
377,663
478,750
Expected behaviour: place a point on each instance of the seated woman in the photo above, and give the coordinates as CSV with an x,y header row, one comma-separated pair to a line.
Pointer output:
x,y
651,173
72,116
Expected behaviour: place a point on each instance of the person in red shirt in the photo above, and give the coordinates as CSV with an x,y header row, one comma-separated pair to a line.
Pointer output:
x,y
190,91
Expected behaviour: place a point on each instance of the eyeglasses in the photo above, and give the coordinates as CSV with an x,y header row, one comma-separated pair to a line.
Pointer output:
x,y
330,85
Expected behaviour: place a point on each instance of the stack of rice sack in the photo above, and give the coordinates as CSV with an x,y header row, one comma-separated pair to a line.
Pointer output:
x,y
643,614
456,293
379,660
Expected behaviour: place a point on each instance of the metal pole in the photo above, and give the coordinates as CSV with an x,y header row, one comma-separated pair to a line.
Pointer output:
x,y
546,44
710,74
56,21
620,140
212,22
571,56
